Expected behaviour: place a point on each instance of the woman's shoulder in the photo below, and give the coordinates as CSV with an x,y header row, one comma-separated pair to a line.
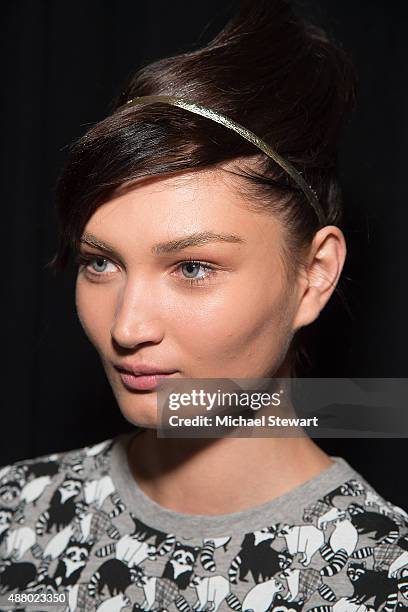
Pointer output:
x,y
363,501
357,502
26,481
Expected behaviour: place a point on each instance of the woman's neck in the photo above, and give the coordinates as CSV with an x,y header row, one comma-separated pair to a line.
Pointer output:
x,y
221,475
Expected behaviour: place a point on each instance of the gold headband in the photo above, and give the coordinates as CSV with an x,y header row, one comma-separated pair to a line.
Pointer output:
x,y
245,133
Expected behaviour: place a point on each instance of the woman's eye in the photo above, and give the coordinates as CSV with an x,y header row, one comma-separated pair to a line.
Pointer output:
x,y
96,265
196,271
99,265
191,269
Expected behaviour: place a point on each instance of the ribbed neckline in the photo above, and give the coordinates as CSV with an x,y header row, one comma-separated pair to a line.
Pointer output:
x,y
284,508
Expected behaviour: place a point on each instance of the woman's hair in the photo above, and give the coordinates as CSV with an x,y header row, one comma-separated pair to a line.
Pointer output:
x,y
269,70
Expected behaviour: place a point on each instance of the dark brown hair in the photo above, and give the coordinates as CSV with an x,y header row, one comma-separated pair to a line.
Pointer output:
x,y
269,70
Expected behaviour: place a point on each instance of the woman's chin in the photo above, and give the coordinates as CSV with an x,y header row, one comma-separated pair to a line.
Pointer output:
x,y
140,411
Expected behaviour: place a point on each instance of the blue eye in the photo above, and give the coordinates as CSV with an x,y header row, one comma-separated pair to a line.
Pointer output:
x,y
98,260
102,262
191,268
92,262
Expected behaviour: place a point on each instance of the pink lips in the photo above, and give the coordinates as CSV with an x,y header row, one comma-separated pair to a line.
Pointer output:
x,y
142,377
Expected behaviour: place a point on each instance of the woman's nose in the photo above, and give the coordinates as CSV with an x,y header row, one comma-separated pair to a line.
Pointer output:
x,y
137,318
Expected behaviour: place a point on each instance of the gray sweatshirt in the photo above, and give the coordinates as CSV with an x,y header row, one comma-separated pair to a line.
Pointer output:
x,y
78,534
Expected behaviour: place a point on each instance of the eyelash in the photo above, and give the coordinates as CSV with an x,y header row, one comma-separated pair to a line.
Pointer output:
x,y
84,260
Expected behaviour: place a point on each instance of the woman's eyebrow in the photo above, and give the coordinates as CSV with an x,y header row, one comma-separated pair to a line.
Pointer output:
x,y
171,246
196,239
96,242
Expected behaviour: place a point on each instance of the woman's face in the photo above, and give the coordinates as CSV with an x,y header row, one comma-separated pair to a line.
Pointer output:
x,y
230,315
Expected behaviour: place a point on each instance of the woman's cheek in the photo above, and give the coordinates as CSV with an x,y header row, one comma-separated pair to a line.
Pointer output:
x,y
245,333
93,312
217,322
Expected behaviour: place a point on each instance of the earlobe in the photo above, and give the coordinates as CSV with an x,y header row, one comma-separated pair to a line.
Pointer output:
x,y
309,308
326,260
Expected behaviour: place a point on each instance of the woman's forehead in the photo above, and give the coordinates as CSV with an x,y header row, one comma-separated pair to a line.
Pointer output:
x,y
189,202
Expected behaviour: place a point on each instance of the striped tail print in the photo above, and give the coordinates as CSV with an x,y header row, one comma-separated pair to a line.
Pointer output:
x,y
390,602
327,593
329,609
181,604
106,550
118,504
390,538
43,568
113,532
75,463
327,552
234,569
363,553
166,546
93,583
337,563
41,523
207,556
233,602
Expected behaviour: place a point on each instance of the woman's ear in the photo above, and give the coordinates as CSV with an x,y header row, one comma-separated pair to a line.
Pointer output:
x,y
320,274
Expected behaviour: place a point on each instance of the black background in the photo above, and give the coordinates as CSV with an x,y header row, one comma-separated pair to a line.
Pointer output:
x,y
62,62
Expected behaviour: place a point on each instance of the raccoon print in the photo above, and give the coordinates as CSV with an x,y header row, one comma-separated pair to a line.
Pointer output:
x,y
352,488
113,576
6,520
403,583
10,491
162,541
70,565
208,549
130,550
386,507
315,510
255,555
62,508
114,604
180,565
341,545
78,598
27,482
39,469
39,476
303,539
160,593
74,461
212,591
369,583
17,542
73,464
261,596
303,583
20,576
13,472
343,604
391,557
100,454
368,522
321,514
94,525
97,490
280,604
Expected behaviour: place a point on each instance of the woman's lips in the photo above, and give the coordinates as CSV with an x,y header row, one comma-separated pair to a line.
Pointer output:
x,y
142,382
